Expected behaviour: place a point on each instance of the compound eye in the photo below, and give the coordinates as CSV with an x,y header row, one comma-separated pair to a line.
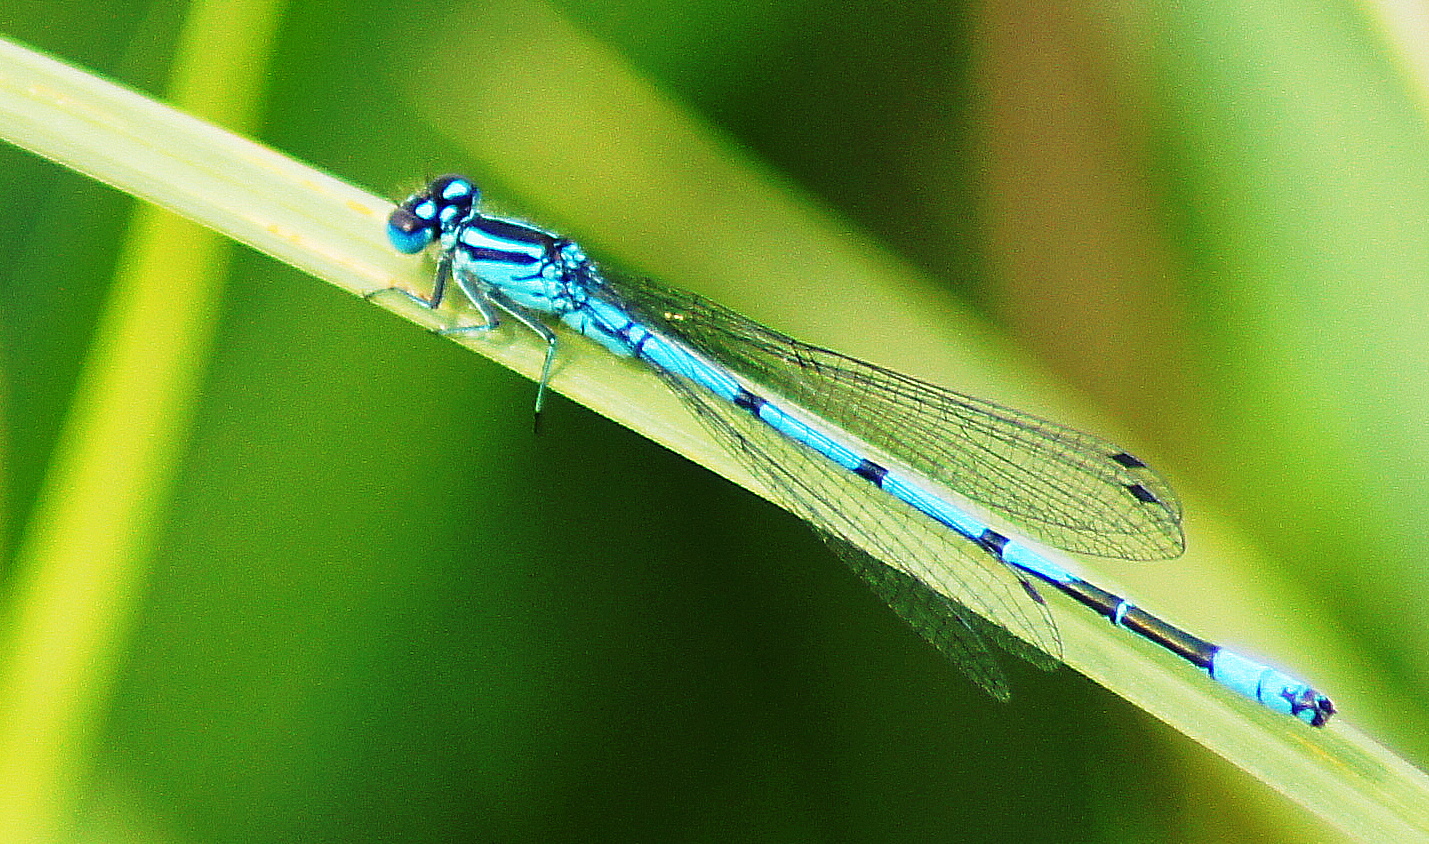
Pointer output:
x,y
408,232
454,190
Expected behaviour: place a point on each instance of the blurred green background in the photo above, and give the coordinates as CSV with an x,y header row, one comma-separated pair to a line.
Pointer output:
x,y
380,610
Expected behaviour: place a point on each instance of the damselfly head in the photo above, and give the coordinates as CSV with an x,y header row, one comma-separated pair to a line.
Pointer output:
x,y
421,217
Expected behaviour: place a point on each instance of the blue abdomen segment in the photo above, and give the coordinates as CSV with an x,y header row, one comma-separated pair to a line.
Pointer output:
x,y
612,327
1270,687
606,324
931,505
796,430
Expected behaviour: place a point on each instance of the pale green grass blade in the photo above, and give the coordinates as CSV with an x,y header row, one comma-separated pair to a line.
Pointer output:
x,y
332,230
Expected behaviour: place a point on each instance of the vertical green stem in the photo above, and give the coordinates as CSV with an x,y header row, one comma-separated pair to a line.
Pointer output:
x,y
81,564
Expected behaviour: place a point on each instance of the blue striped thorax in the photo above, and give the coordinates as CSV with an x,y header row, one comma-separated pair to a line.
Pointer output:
x,y
532,267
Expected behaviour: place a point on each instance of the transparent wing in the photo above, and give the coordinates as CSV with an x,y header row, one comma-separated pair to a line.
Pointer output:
x,y
943,622
931,576
1064,487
